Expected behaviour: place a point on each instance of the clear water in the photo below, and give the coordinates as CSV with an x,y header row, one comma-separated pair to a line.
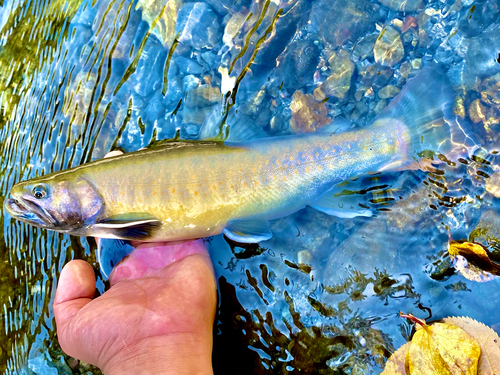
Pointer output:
x,y
79,78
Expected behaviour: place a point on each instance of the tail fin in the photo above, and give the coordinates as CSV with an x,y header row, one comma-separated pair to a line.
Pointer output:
x,y
425,106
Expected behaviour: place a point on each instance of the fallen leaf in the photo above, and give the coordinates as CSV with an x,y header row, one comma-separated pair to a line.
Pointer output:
x,y
489,361
472,261
396,364
442,348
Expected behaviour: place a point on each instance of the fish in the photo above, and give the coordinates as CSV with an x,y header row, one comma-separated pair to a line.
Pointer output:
x,y
189,190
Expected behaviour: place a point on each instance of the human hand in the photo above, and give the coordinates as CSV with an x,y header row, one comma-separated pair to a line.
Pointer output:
x,y
157,317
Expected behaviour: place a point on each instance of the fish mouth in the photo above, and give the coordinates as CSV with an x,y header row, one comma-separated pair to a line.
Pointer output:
x,y
29,212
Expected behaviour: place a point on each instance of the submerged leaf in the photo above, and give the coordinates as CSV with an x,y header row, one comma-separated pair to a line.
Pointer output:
x,y
396,365
442,348
489,362
472,261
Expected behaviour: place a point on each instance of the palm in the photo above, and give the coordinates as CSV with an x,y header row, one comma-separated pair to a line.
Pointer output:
x,y
148,305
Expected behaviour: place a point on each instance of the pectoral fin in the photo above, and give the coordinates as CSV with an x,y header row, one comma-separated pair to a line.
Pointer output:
x,y
110,253
248,231
132,226
344,206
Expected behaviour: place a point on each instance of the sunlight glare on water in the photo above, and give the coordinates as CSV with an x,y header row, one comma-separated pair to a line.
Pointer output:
x,y
79,78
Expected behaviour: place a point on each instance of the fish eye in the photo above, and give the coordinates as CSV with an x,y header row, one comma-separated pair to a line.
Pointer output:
x,y
39,191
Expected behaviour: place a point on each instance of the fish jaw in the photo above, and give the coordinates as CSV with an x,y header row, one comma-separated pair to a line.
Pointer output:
x,y
29,212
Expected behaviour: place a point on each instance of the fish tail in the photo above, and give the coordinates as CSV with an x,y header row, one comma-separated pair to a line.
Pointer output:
x,y
425,109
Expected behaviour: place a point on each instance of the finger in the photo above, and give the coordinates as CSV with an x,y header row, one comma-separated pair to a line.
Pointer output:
x,y
150,257
76,288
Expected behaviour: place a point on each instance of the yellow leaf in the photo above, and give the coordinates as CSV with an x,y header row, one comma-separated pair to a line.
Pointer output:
x,y
396,365
442,349
472,261
489,361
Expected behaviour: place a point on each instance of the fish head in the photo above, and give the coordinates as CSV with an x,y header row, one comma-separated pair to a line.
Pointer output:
x,y
60,204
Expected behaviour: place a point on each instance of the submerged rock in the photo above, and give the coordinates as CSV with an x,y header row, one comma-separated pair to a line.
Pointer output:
x,y
223,7
375,75
308,115
490,90
388,91
285,28
199,26
482,59
233,27
343,20
338,82
403,5
297,66
480,112
482,16
493,184
164,29
364,48
202,96
388,49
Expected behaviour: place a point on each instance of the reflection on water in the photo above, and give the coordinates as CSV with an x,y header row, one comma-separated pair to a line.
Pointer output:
x,y
78,78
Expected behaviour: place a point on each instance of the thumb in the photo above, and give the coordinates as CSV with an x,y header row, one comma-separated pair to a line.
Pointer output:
x,y
76,288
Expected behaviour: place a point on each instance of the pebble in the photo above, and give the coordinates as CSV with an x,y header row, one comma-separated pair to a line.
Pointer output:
x,y
388,49
338,82
388,92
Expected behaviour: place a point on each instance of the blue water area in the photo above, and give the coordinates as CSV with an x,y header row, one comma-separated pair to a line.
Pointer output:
x,y
79,78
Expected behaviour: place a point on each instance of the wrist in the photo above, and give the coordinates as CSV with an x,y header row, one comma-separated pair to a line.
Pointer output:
x,y
177,354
